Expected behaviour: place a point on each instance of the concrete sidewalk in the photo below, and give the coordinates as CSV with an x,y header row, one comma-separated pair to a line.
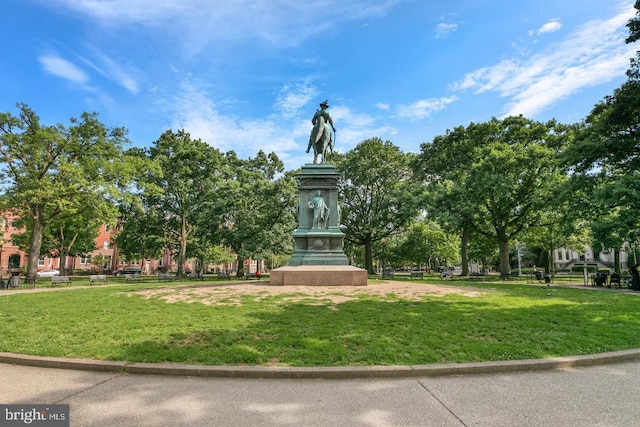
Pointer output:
x,y
604,395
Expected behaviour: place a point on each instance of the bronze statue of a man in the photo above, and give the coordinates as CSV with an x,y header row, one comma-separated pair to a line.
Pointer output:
x,y
320,212
320,138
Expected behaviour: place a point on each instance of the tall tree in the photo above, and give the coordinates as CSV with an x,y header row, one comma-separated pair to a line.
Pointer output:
x,y
424,242
605,159
140,233
257,209
74,233
378,193
48,169
498,176
188,174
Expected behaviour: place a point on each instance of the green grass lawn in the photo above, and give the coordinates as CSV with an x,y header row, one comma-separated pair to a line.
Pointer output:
x,y
505,322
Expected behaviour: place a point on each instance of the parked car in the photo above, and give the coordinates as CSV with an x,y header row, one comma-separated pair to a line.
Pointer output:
x,y
128,270
48,273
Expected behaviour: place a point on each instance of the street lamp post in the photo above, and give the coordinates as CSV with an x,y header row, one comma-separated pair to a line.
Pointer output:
x,y
519,260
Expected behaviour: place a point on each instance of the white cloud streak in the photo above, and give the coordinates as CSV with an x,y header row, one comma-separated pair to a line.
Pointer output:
x,y
354,127
443,29
550,27
424,108
293,96
62,68
591,55
196,113
105,66
280,22
115,72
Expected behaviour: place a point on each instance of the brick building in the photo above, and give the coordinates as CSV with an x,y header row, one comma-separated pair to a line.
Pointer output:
x,y
103,259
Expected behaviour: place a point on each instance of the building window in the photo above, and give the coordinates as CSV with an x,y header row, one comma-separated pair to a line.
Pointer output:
x,y
14,261
41,261
85,259
106,244
107,228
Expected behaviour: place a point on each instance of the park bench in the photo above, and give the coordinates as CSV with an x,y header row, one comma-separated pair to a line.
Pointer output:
x,y
417,274
195,276
387,274
59,280
615,280
224,276
97,278
599,279
477,276
132,277
252,276
165,276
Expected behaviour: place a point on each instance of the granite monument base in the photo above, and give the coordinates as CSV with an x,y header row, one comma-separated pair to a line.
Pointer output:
x,y
318,275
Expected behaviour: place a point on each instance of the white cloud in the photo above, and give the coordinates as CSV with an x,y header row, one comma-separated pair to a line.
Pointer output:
x,y
591,55
115,72
197,114
550,27
195,111
353,127
104,66
383,106
293,96
443,29
276,21
424,108
62,68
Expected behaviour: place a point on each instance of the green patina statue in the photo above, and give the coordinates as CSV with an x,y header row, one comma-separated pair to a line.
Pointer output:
x,y
320,212
320,138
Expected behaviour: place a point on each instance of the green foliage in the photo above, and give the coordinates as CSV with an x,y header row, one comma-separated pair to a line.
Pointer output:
x,y
604,157
140,235
256,209
494,179
379,196
54,173
424,242
591,268
183,182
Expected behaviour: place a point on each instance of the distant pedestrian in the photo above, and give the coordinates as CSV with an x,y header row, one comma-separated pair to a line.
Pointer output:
x,y
635,277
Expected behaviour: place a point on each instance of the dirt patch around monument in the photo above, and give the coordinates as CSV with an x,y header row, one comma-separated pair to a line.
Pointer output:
x,y
234,294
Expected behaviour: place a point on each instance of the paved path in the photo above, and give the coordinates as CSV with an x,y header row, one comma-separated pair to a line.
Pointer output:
x,y
605,395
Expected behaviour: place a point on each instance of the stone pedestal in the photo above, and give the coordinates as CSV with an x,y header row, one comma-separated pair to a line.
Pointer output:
x,y
318,275
318,241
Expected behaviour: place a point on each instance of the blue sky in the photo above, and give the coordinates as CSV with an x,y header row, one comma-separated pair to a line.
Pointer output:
x,y
246,75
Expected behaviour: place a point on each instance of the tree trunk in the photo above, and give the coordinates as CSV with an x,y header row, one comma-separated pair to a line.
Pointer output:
x,y
616,260
35,243
182,250
464,251
240,272
63,254
505,265
368,257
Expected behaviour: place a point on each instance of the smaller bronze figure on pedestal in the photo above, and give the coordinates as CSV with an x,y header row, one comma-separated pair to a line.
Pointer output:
x,y
320,138
320,212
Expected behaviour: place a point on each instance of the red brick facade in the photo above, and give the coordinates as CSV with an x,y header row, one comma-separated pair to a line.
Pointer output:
x,y
103,259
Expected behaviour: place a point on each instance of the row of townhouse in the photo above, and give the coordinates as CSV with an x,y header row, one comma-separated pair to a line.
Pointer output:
x,y
104,259
564,258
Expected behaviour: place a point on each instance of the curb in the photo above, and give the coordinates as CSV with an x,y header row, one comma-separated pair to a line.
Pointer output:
x,y
339,372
